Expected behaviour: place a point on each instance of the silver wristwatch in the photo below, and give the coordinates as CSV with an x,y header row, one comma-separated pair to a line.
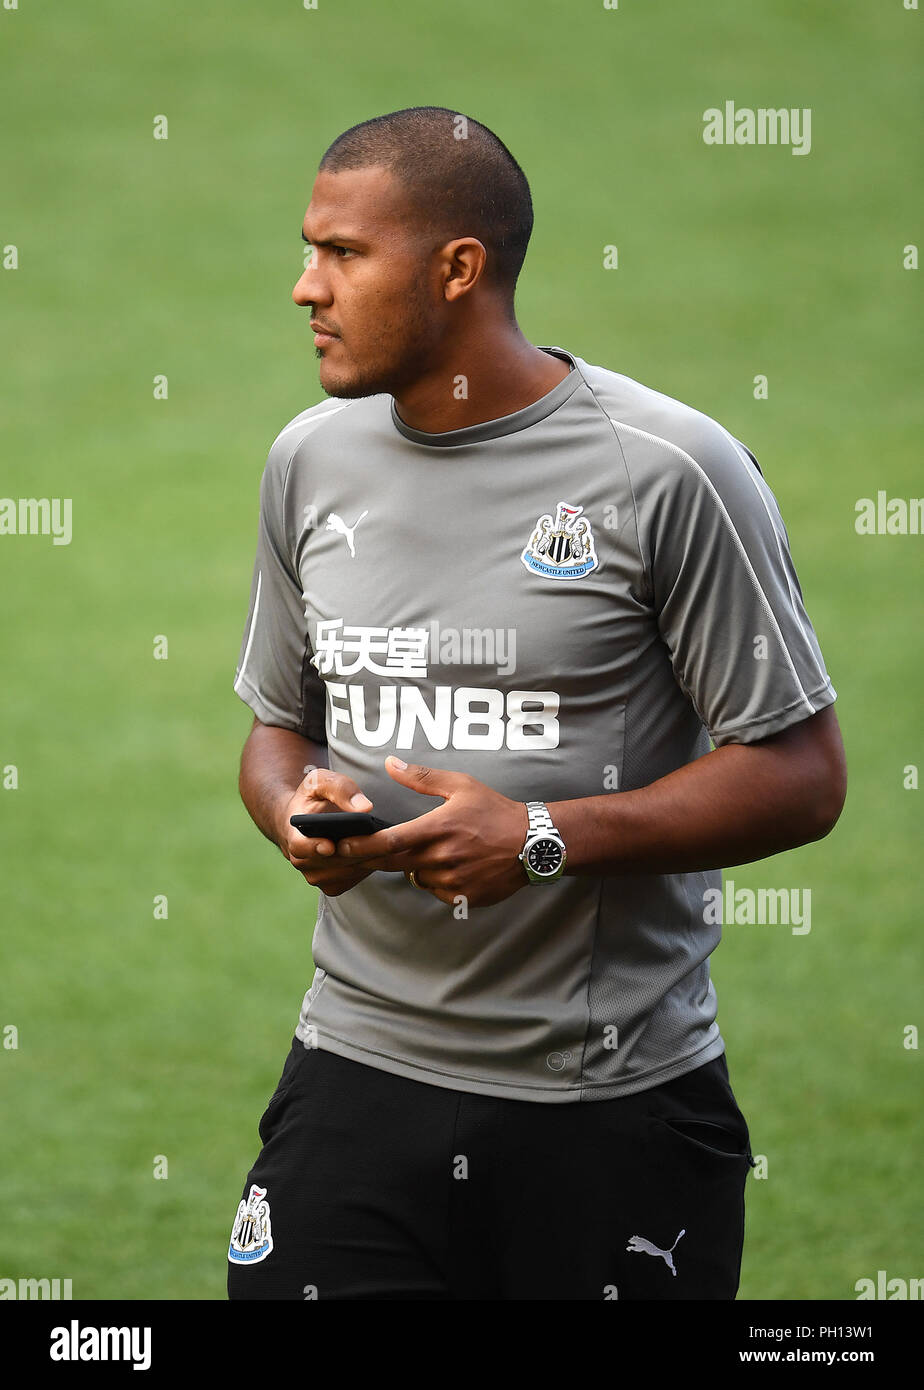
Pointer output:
x,y
543,855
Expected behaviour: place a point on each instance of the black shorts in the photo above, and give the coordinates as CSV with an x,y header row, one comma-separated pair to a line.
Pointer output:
x,y
374,1186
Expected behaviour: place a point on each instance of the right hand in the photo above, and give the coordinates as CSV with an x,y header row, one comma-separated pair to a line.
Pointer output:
x,y
317,860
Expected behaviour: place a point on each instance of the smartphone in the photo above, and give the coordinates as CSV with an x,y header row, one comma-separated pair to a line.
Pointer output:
x,y
337,825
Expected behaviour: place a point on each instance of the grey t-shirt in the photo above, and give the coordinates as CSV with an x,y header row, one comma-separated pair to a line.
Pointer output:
x,y
565,602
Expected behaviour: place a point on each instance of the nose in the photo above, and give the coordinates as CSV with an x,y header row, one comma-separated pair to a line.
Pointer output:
x,y
309,287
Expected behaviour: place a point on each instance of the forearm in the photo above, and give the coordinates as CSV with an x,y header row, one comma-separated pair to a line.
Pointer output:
x,y
737,804
273,763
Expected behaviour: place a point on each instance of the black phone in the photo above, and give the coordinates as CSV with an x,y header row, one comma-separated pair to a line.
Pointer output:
x,y
337,825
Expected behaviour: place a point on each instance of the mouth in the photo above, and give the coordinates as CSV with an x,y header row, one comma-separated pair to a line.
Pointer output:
x,y
322,336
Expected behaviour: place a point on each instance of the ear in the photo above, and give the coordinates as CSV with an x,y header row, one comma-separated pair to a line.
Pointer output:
x,y
464,261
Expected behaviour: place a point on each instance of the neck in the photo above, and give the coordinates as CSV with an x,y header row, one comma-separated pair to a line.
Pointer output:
x,y
482,377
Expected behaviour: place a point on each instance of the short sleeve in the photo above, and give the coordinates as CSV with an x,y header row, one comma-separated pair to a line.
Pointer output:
x,y
274,676
727,599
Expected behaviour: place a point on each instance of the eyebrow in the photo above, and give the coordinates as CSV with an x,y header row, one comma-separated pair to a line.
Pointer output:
x,y
331,241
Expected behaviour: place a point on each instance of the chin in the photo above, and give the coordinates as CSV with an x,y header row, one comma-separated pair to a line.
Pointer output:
x,y
349,386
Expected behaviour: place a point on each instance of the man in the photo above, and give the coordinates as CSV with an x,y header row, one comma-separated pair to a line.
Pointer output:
x,y
503,599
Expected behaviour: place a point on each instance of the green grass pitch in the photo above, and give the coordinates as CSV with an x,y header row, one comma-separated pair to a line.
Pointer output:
x,y
141,1035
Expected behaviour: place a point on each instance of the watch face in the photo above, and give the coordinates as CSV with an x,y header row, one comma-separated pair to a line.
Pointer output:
x,y
544,857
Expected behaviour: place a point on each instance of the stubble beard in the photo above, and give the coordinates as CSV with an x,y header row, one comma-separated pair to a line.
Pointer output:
x,y
405,362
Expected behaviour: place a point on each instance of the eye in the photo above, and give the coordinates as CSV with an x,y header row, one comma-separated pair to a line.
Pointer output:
x,y
311,252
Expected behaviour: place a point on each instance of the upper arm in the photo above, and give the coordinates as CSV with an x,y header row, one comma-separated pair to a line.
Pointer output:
x,y
724,589
814,751
274,675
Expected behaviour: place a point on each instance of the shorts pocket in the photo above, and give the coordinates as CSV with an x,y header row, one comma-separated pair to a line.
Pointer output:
x,y
293,1062
709,1137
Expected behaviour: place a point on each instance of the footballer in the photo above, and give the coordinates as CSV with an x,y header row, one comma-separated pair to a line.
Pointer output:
x,y
542,621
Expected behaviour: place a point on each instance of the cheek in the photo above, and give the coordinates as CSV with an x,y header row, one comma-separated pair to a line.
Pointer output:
x,y
389,320
371,305
384,309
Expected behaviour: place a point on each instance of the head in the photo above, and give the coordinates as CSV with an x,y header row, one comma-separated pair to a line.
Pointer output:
x,y
419,223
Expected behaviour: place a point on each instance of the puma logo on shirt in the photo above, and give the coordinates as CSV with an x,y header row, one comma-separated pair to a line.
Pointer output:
x,y
336,523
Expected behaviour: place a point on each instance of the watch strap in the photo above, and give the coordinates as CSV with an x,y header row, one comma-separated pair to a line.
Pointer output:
x,y
539,818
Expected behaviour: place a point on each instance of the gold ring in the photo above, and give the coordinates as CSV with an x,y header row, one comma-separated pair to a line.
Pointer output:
x,y
413,879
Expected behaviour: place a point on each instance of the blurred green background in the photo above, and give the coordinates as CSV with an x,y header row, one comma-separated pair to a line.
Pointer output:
x,y
140,1036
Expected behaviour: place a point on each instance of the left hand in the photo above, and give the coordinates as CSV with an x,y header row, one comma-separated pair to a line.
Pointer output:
x,y
468,846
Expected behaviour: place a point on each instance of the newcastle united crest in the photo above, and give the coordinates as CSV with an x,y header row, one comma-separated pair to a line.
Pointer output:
x,y
251,1236
563,547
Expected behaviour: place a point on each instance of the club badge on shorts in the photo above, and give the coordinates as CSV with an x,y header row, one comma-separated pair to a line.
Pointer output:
x,y
561,547
252,1234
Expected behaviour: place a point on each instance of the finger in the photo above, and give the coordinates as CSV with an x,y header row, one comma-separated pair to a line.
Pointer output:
x,y
435,889
334,888
300,846
309,849
411,837
335,787
390,865
331,882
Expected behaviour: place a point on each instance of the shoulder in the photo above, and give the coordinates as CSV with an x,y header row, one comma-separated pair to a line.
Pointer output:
x,y
301,428
663,439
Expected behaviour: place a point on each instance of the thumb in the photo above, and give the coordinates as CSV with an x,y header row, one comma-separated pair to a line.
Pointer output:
x,y
430,781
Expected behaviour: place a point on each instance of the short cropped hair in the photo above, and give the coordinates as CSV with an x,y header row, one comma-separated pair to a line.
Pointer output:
x,y
460,179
